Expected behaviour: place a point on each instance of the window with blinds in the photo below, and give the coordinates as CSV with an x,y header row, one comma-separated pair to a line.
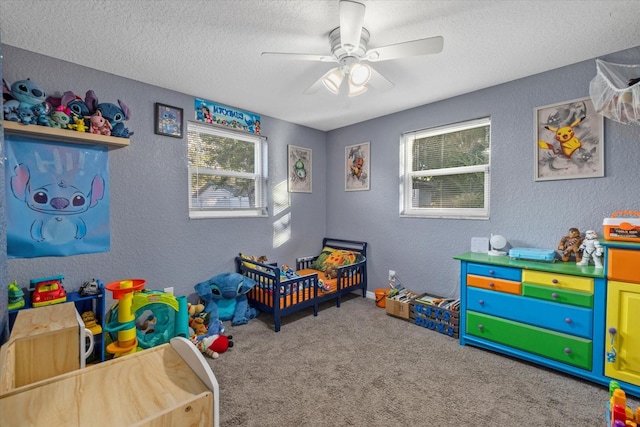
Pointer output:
x,y
227,172
446,171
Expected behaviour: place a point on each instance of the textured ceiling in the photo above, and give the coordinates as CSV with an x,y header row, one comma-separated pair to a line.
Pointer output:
x,y
211,48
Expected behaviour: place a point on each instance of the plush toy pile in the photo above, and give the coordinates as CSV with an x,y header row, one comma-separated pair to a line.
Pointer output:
x,y
208,337
27,103
224,298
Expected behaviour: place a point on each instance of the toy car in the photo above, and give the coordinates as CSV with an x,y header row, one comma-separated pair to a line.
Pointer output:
x,y
48,290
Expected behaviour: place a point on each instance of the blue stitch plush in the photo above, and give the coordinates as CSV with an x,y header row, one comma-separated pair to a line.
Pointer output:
x,y
225,298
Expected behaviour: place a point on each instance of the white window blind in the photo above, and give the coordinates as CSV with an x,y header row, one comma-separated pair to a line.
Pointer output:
x,y
227,172
446,171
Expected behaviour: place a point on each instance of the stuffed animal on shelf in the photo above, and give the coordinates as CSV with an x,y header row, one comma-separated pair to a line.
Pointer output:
x,y
570,245
23,94
114,114
99,125
60,118
77,125
225,298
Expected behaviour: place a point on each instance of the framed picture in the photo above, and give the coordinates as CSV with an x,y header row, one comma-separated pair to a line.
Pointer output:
x,y
569,141
356,167
168,120
299,168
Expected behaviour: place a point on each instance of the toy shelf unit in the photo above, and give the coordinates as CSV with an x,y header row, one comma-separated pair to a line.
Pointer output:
x,y
168,385
64,135
44,342
84,304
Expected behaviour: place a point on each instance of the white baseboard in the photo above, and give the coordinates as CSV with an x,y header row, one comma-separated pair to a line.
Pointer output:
x,y
370,295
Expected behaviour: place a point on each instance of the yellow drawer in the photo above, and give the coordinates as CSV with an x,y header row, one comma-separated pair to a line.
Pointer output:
x,y
561,281
491,283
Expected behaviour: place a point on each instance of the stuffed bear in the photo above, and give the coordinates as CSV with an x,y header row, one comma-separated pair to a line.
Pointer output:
x,y
198,326
331,271
225,298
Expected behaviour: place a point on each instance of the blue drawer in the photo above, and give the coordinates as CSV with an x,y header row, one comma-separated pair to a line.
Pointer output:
x,y
558,317
495,271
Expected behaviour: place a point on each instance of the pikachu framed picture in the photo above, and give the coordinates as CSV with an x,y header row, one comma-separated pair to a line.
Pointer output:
x,y
568,141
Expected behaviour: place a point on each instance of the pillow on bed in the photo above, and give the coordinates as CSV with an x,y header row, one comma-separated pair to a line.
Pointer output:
x,y
261,259
318,264
336,257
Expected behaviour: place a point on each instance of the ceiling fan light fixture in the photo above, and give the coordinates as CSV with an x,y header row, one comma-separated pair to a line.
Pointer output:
x,y
359,74
333,80
355,90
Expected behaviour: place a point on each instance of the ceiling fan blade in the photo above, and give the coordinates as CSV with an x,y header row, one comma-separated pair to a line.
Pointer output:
x,y
301,56
402,50
315,87
379,82
351,22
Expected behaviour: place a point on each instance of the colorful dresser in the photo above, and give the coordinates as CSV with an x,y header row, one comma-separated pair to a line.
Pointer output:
x,y
551,314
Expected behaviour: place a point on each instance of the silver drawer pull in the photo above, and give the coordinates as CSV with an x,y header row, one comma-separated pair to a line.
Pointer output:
x,y
481,302
554,295
491,284
492,272
554,281
567,320
567,350
481,327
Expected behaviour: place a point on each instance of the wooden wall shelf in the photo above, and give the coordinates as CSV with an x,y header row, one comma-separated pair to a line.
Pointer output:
x,y
64,135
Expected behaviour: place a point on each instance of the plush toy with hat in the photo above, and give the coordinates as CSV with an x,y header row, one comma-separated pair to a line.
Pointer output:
x,y
225,298
214,343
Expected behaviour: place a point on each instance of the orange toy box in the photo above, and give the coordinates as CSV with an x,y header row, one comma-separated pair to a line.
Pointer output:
x,y
625,229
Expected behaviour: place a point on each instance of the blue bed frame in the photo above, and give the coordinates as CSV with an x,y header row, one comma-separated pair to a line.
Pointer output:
x,y
350,278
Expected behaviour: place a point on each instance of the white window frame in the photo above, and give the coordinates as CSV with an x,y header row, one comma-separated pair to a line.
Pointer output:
x,y
407,175
259,175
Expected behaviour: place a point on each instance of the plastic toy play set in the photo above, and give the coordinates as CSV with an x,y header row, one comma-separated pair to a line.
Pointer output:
x,y
142,319
619,414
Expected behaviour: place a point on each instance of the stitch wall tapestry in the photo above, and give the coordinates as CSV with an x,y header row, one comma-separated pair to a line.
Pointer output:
x,y
57,198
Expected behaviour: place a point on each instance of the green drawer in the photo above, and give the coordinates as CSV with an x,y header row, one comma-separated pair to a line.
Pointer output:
x,y
564,296
542,342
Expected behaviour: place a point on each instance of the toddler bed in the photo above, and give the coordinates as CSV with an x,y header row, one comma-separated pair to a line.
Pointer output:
x,y
340,268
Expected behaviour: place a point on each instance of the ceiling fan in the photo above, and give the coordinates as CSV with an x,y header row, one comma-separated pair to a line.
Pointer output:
x,y
349,49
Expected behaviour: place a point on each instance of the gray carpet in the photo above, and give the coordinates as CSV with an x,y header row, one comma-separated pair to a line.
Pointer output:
x,y
357,366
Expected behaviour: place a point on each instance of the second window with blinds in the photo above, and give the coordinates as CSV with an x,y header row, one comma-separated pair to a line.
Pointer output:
x,y
446,171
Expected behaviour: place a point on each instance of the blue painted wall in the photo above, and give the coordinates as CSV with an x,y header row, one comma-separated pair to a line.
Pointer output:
x,y
527,213
152,237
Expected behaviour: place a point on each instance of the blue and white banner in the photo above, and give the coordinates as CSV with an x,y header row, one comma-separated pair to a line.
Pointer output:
x,y
57,198
221,115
